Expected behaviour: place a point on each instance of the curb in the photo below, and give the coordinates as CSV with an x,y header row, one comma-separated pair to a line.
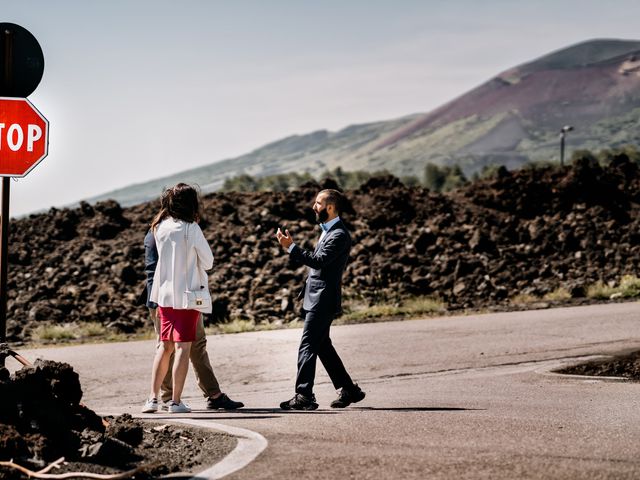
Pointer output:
x,y
250,445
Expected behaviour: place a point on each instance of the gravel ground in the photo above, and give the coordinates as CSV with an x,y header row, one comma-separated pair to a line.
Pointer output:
x,y
625,365
175,448
168,449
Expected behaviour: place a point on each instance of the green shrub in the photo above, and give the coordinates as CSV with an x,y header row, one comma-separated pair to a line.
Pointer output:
x,y
629,286
444,178
285,181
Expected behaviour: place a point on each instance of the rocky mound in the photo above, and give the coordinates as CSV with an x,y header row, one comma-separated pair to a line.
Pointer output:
x,y
42,420
529,231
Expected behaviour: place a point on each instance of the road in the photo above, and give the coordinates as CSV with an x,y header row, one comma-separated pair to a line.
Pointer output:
x,y
464,397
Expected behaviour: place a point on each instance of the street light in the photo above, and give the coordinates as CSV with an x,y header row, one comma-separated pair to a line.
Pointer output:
x,y
563,133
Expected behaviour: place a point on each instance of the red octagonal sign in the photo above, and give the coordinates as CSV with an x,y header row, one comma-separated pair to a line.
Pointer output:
x,y
24,137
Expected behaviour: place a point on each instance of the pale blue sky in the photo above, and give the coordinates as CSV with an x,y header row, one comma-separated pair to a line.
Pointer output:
x,y
136,90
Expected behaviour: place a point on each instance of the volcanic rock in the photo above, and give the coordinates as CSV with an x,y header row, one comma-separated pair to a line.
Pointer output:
x,y
527,231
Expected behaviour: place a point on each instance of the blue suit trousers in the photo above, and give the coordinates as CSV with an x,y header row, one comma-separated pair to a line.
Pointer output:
x,y
316,343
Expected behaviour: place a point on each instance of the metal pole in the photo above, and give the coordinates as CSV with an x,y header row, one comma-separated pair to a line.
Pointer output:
x,y
562,149
4,220
4,257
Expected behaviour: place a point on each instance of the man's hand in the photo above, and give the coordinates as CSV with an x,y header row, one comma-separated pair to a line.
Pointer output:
x,y
284,238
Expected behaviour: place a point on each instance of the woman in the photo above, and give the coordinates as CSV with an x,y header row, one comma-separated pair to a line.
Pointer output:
x,y
183,258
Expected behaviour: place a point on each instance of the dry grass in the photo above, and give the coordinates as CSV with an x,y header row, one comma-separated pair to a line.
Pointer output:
x,y
628,287
82,332
58,333
413,307
599,290
240,325
559,293
74,332
523,298
355,312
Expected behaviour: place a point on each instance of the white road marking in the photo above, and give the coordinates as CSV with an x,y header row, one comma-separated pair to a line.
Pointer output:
x,y
250,445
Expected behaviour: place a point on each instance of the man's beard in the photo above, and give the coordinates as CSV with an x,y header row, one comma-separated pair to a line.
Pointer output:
x,y
322,216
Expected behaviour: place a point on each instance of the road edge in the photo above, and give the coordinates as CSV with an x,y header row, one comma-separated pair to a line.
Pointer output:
x,y
551,370
250,445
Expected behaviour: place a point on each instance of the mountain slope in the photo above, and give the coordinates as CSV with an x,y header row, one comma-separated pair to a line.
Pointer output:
x,y
314,152
511,119
518,114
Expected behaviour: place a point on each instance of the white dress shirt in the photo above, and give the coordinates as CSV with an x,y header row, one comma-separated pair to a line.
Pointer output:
x,y
325,228
184,256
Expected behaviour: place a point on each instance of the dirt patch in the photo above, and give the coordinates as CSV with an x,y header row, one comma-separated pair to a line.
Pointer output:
x,y
42,419
626,365
172,448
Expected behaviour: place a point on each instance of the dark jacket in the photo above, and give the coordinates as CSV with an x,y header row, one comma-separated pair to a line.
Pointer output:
x,y
323,288
150,263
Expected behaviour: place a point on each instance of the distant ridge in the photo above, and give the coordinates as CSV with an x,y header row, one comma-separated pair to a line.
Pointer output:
x,y
304,153
511,119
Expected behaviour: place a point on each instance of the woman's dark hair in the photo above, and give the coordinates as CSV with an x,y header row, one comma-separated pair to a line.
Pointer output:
x,y
180,202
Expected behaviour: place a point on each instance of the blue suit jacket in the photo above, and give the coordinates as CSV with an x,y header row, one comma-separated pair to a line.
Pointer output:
x,y
150,264
323,288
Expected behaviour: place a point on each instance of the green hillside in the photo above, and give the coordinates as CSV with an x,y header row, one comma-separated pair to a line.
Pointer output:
x,y
313,153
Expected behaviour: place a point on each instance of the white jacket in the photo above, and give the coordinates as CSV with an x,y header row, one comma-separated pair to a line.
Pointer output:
x,y
183,258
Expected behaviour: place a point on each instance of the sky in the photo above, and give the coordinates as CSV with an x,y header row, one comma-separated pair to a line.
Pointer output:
x,y
136,90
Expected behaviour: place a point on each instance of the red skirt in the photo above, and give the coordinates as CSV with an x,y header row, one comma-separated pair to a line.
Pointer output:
x,y
178,325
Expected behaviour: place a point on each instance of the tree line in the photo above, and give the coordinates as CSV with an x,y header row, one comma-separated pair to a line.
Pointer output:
x,y
281,182
438,178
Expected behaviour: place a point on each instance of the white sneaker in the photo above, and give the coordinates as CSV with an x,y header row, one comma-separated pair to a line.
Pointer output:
x,y
179,407
150,406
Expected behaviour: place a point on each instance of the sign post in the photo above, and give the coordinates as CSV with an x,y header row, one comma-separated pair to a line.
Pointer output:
x,y
24,138
4,260
24,142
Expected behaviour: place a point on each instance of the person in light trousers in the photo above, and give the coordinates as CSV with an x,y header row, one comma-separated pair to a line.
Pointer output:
x,y
205,377
184,256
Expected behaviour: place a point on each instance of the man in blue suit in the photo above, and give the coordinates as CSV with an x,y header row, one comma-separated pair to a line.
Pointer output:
x,y
322,303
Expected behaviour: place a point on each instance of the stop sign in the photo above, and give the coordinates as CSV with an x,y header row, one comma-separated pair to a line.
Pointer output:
x,y
24,137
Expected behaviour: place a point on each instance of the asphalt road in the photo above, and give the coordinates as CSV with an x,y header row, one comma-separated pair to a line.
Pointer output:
x,y
457,397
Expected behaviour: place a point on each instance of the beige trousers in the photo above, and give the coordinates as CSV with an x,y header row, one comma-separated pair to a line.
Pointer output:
x,y
199,359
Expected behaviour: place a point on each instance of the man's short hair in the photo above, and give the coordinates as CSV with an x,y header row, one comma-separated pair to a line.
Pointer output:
x,y
335,198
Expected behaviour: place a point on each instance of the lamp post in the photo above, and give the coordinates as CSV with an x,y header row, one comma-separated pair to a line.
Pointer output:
x,y
563,133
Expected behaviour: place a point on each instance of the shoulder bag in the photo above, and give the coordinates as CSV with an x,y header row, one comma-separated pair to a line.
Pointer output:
x,y
195,299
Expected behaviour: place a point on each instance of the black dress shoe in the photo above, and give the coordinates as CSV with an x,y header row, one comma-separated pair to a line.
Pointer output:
x,y
300,402
223,402
348,396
